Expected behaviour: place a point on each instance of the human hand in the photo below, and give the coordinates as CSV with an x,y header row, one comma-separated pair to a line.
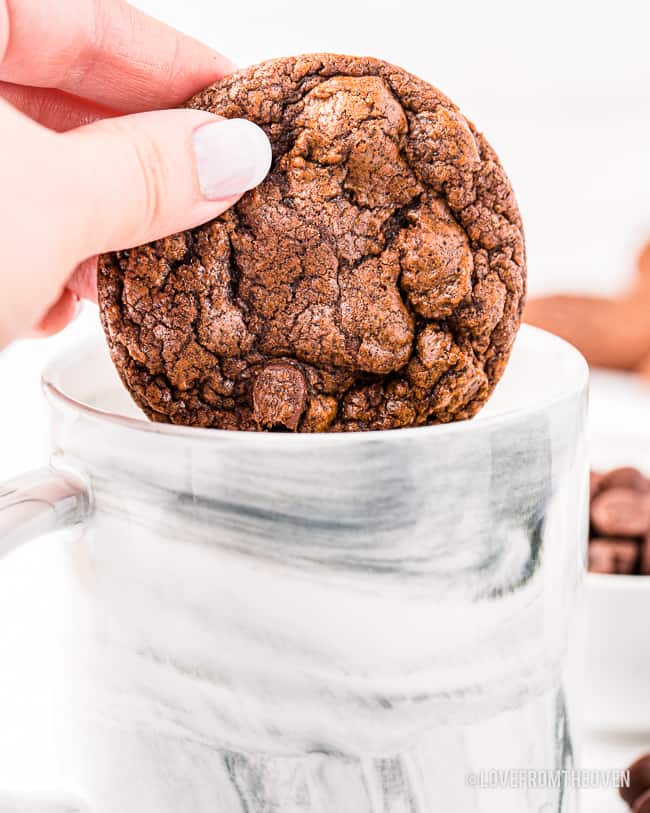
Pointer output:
x,y
82,170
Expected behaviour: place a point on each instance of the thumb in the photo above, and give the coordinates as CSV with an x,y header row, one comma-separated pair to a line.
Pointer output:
x,y
138,178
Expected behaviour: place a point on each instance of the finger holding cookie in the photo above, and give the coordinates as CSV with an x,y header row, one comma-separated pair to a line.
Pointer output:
x,y
84,170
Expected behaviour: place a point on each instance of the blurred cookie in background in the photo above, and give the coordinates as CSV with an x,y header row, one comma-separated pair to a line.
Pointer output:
x,y
609,331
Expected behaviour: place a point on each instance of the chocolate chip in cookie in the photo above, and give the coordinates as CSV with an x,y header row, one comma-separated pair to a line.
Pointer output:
x,y
374,280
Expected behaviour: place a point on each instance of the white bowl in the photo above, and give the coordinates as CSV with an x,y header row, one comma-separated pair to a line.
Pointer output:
x,y
617,658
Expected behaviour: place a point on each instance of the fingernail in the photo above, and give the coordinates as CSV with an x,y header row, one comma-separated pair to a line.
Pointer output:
x,y
232,156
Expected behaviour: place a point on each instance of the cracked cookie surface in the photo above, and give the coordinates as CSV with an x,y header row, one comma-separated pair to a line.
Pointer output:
x,y
374,280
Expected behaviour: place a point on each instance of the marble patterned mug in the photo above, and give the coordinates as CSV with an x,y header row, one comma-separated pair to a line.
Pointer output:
x,y
353,623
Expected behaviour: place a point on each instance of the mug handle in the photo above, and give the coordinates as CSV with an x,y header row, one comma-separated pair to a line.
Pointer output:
x,y
39,502
40,803
32,504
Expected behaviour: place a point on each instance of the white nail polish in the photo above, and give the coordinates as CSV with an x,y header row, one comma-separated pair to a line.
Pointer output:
x,y
232,156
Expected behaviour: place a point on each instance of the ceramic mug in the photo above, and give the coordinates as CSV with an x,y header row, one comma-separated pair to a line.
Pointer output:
x,y
327,623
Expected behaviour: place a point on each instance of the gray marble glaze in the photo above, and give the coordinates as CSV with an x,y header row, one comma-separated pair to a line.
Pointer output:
x,y
324,624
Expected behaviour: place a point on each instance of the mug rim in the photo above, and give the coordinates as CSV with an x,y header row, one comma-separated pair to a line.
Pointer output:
x,y
56,394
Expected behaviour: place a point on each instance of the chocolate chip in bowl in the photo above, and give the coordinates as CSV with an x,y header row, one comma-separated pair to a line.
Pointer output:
x,y
620,522
613,556
620,512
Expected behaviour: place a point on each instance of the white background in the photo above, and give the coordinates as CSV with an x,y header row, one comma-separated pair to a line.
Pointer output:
x,y
562,90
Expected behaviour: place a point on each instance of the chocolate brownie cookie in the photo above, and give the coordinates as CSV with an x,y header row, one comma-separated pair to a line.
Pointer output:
x,y
374,280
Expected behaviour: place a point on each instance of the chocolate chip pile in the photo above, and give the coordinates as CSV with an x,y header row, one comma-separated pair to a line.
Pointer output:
x,y
619,539
637,795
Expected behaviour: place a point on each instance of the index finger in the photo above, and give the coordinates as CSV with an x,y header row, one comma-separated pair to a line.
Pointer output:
x,y
105,51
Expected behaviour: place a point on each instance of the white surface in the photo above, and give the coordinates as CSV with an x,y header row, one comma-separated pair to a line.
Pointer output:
x,y
607,752
560,89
